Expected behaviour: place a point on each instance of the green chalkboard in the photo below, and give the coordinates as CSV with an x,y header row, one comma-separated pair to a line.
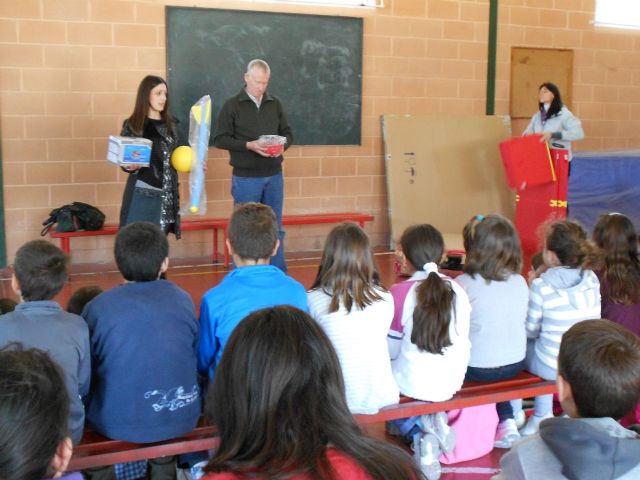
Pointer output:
x,y
315,60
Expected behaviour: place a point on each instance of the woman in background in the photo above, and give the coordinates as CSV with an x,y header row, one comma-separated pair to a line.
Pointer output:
x,y
558,127
151,193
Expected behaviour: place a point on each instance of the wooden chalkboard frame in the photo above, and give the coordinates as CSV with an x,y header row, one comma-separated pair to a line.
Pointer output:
x,y
315,60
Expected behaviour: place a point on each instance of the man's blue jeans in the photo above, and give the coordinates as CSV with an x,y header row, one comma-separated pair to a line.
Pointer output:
x,y
266,190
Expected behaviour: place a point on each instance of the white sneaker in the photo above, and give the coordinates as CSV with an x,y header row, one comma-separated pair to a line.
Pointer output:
x,y
533,425
426,448
520,418
507,434
438,425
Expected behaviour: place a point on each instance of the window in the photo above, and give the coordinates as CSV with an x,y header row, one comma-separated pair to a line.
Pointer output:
x,y
618,13
340,3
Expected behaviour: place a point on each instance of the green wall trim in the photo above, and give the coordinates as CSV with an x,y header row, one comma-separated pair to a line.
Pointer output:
x,y
491,57
3,244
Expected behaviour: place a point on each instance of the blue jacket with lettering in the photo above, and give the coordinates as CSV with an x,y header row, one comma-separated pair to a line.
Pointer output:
x,y
143,344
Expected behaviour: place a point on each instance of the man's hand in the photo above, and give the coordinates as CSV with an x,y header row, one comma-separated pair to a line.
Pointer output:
x,y
256,147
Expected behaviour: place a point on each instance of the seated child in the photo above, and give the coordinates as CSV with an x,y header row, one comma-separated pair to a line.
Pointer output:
x,y
253,284
143,345
81,297
278,401
598,383
619,270
34,408
40,272
428,341
566,293
355,313
499,297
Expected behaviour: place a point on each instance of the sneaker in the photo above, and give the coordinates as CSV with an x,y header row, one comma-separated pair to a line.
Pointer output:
x,y
507,434
438,425
426,448
520,418
533,424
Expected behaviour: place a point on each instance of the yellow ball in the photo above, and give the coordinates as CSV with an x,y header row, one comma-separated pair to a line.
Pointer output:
x,y
194,209
182,158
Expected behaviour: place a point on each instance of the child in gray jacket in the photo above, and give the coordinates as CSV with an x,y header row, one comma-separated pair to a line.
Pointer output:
x,y
598,383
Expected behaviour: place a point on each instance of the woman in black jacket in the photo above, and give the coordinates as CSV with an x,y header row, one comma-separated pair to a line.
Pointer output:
x,y
151,192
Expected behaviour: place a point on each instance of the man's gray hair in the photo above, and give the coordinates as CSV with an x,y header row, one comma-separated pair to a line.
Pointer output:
x,y
257,63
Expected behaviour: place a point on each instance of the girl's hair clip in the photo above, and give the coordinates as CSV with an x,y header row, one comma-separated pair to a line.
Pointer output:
x,y
479,218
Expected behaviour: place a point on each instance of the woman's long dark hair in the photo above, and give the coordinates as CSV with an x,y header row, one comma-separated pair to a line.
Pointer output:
x,y
347,269
141,109
34,408
422,244
616,237
278,401
556,103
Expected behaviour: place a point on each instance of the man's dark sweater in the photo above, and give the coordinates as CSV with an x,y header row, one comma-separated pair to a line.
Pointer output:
x,y
241,121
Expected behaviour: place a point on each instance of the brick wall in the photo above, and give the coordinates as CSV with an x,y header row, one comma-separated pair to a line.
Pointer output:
x,y
69,70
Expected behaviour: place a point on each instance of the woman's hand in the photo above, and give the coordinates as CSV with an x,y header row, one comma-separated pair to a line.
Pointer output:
x,y
545,137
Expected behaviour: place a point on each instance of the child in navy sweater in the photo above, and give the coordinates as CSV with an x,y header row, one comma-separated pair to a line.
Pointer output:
x,y
143,345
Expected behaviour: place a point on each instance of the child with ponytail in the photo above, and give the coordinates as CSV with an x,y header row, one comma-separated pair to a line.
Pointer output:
x,y
429,341
565,294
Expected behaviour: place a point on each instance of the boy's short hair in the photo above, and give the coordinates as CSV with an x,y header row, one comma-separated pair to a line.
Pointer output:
x,y
81,297
253,232
140,249
34,406
41,270
601,361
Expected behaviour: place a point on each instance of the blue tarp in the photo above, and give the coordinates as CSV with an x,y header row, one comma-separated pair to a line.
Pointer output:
x,y
604,182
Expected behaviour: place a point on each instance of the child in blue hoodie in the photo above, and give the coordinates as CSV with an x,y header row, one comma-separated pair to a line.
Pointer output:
x,y
566,293
598,382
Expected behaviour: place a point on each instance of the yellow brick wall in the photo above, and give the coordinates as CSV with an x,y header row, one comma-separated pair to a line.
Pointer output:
x,y
69,70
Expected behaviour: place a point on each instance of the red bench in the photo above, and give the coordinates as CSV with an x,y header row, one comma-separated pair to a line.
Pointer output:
x,y
96,450
215,224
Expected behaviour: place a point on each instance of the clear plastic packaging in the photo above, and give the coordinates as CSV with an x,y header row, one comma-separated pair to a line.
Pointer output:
x,y
199,131
273,144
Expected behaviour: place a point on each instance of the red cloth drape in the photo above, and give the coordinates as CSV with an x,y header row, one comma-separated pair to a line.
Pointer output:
x,y
537,205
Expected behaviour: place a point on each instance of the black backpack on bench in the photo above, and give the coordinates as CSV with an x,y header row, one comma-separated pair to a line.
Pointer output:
x,y
72,217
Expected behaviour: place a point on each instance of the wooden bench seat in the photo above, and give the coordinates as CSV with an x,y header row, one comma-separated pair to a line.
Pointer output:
x,y
96,450
215,224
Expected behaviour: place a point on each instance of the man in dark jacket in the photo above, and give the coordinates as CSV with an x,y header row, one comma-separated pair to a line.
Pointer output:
x,y
257,175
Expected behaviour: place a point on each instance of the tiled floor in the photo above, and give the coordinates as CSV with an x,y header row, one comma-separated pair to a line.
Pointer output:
x,y
197,277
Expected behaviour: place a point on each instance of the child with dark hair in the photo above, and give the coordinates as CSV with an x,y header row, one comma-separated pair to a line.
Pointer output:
x,y
598,383
281,411
355,313
428,340
499,297
143,342
34,408
40,272
619,270
565,294
81,297
7,305
253,284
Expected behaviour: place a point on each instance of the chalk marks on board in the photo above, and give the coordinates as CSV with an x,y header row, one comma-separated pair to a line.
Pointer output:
x,y
316,64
